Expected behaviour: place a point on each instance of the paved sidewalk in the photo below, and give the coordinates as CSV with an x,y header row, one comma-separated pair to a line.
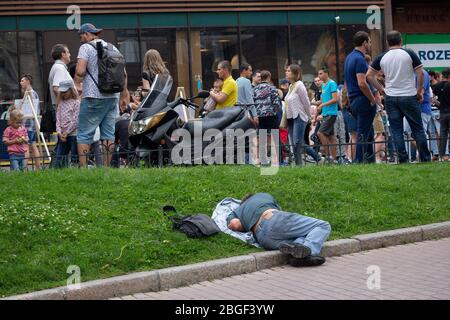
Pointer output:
x,y
413,271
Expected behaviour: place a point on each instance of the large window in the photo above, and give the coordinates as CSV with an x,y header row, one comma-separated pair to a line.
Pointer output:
x,y
173,48
31,60
128,45
9,70
314,47
209,47
265,48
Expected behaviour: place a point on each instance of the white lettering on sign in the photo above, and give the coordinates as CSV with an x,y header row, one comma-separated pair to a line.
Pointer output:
x,y
432,54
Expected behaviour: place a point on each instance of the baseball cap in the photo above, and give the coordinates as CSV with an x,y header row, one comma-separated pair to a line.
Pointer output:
x,y
65,85
284,81
89,27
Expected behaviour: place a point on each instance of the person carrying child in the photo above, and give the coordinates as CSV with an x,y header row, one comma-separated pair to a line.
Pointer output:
x,y
15,137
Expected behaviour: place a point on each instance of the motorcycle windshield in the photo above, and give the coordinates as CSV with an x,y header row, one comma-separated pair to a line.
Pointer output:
x,y
156,99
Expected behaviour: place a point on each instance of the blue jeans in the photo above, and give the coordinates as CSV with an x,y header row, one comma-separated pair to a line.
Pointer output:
x,y
296,132
62,151
397,108
287,227
97,113
430,133
364,113
17,162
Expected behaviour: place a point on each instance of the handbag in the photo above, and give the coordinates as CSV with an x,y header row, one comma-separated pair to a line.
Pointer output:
x,y
195,226
48,121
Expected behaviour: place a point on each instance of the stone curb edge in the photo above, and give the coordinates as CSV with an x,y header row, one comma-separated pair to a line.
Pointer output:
x,y
174,277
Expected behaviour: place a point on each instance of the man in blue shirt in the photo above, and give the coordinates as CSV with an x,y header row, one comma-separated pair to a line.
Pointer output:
x,y
299,236
362,102
245,90
329,110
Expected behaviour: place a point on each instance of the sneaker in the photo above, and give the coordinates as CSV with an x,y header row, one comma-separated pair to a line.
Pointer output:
x,y
310,159
296,250
309,261
435,158
321,161
445,158
343,160
330,160
391,159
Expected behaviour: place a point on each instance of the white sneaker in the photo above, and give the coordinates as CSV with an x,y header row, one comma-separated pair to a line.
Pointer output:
x,y
321,161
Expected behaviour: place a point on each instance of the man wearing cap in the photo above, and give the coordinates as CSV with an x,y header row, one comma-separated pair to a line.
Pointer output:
x,y
97,109
298,236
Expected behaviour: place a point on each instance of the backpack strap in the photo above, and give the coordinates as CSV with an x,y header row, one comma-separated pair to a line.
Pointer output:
x,y
97,48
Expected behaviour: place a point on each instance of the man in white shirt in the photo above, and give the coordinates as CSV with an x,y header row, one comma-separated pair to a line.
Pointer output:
x,y
402,97
59,72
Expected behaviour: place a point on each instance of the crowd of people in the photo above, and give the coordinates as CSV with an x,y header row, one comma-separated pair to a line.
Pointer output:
x,y
366,119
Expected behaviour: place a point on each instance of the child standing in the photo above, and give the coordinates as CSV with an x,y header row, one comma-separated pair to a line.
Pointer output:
x,y
66,123
15,137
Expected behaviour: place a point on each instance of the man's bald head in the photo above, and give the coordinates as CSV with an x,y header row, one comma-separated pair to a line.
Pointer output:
x,y
235,225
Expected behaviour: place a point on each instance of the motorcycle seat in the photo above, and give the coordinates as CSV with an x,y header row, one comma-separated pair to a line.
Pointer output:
x,y
217,119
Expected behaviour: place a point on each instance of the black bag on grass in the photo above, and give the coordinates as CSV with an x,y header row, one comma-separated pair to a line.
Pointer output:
x,y
195,226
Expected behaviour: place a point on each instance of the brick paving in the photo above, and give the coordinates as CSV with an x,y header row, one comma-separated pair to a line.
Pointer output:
x,y
414,271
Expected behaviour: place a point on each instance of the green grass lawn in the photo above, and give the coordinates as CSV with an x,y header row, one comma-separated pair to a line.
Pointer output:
x,y
109,222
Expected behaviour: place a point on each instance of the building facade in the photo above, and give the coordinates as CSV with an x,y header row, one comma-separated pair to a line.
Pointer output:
x,y
192,36
426,29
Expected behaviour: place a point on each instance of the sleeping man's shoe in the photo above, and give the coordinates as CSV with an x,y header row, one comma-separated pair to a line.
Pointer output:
x,y
296,250
308,261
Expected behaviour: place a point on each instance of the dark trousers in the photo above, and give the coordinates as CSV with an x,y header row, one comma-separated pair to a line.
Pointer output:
x,y
445,132
408,107
61,157
364,114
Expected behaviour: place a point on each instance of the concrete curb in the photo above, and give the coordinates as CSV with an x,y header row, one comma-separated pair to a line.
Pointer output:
x,y
174,277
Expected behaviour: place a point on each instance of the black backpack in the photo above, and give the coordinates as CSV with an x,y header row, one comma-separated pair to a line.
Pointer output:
x,y
195,226
111,69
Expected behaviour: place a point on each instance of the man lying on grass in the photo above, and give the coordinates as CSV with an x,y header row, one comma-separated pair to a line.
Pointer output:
x,y
299,236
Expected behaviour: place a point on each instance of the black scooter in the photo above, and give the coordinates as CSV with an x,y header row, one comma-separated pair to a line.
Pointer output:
x,y
152,125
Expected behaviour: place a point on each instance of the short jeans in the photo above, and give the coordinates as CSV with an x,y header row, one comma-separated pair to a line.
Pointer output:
x,y
97,113
31,130
327,125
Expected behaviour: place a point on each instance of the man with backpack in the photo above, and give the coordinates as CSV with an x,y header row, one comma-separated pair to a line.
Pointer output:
x,y
101,78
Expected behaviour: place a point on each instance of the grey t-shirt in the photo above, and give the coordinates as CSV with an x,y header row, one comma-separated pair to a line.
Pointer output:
x,y
245,93
251,209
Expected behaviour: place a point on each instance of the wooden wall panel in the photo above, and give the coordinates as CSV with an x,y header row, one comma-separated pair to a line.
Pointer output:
x,y
46,7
